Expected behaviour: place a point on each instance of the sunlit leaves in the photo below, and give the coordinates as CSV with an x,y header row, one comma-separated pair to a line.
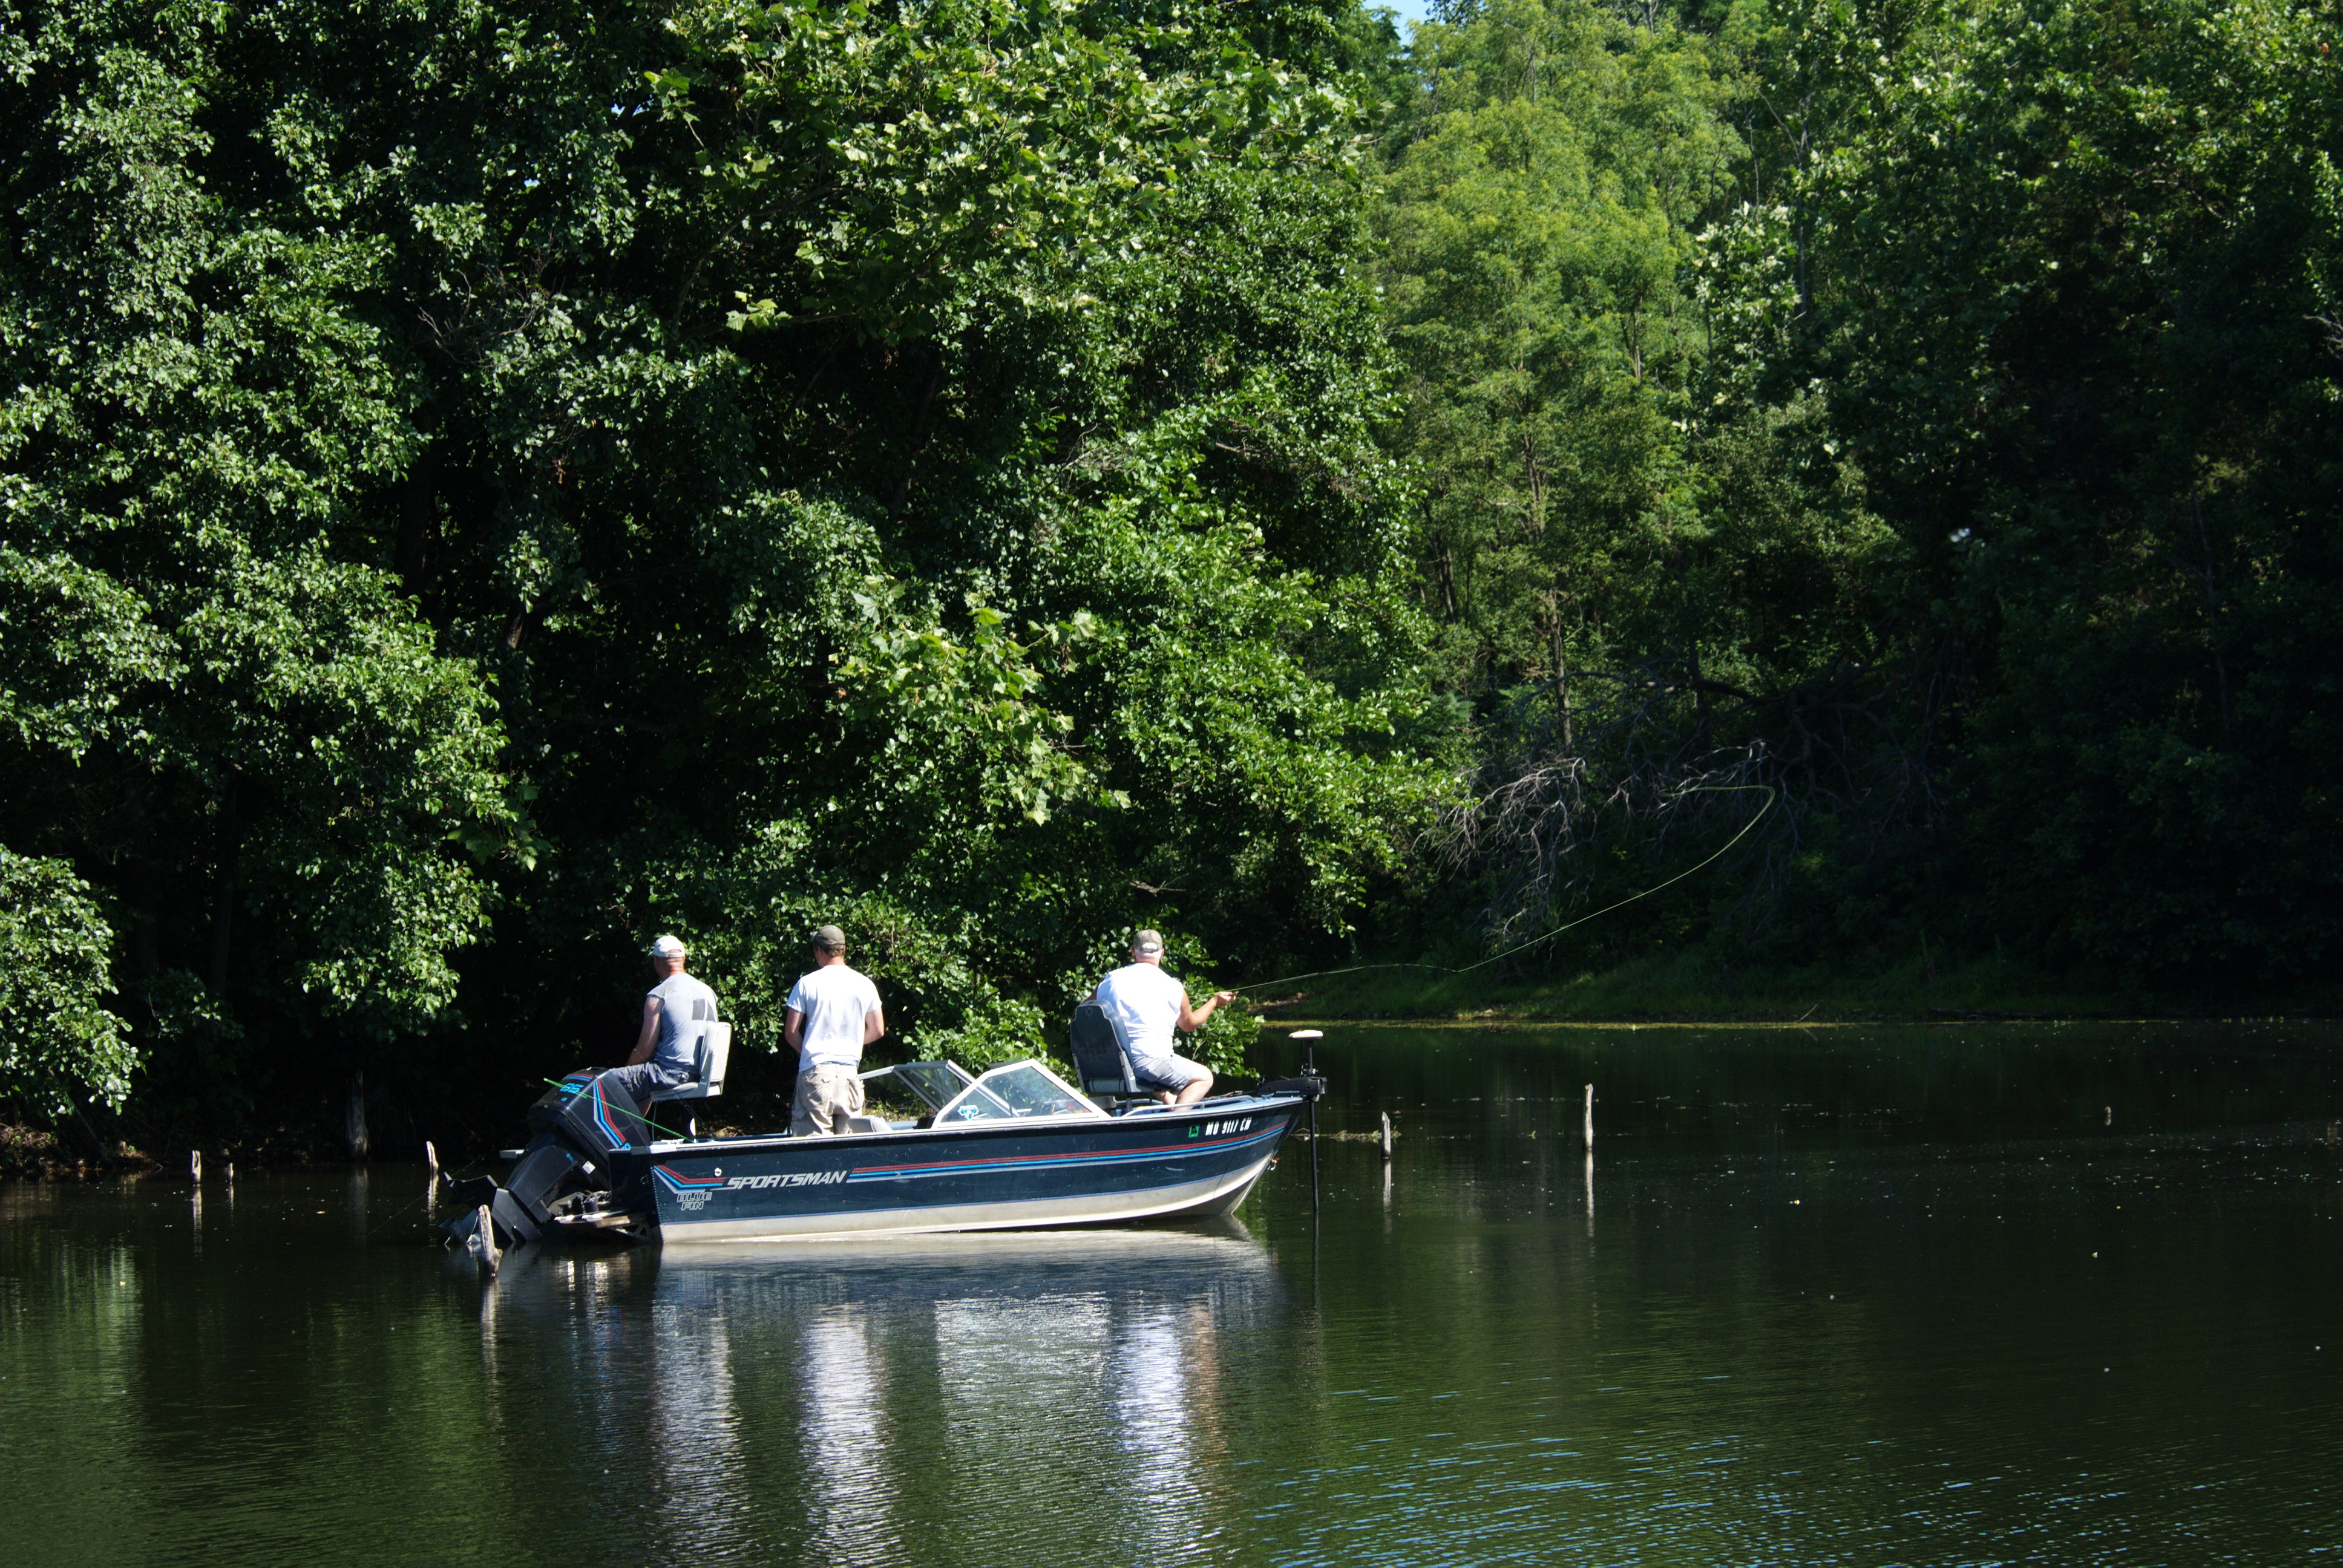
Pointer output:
x,y
55,1032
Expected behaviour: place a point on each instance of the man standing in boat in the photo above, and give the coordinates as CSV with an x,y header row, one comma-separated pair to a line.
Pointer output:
x,y
664,1050
1147,1005
833,1013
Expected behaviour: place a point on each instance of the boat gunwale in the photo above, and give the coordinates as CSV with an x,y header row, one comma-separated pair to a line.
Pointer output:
x,y
751,1141
1217,1189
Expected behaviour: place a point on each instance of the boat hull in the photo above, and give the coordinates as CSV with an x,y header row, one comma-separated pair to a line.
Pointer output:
x,y
1197,1161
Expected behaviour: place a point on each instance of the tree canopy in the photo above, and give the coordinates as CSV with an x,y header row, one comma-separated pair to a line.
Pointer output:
x,y
488,481
509,480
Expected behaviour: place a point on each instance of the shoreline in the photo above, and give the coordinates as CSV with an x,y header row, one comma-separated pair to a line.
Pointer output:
x,y
1495,1019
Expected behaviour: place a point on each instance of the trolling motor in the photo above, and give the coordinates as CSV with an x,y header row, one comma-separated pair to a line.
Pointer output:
x,y
564,1176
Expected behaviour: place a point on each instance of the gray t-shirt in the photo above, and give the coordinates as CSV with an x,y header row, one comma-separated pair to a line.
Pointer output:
x,y
683,1001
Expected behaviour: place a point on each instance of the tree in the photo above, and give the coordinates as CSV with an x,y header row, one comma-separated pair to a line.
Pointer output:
x,y
560,472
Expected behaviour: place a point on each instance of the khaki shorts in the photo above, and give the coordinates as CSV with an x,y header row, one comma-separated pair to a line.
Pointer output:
x,y
827,1096
1172,1073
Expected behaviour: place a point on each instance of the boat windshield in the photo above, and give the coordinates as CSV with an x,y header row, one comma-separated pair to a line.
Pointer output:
x,y
937,1082
1021,1089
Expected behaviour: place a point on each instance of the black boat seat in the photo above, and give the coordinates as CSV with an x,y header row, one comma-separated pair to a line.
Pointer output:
x,y
1102,1062
712,1049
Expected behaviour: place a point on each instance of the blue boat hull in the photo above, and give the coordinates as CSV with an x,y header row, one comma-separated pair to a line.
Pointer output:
x,y
1198,1161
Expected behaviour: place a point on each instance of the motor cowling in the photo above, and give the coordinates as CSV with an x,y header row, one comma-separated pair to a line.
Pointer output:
x,y
579,1124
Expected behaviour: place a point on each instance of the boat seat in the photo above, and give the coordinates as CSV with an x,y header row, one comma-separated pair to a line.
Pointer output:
x,y
869,1124
1102,1062
712,1049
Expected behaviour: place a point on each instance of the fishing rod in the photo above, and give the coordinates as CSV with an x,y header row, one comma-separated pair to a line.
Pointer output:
x,y
1535,941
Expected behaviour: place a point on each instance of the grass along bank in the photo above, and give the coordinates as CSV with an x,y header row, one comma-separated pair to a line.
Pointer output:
x,y
1698,987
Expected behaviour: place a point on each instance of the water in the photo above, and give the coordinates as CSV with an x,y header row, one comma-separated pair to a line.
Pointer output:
x,y
1956,1295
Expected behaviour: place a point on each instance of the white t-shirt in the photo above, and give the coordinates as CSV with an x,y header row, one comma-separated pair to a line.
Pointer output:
x,y
1144,1003
835,1000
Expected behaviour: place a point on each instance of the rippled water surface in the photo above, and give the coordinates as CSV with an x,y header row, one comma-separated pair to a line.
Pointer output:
x,y
1949,1295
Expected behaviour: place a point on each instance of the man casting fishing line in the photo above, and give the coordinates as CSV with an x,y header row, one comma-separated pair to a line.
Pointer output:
x,y
1146,1005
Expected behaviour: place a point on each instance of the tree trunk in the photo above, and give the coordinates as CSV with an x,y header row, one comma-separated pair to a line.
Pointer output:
x,y
2213,625
224,905
919,433
355,1117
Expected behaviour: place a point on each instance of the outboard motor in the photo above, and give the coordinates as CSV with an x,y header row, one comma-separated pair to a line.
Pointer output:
x,y
577,1125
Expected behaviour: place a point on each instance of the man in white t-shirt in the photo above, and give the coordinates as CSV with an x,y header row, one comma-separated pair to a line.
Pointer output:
x,y
1147,1005
833,1013
665,1053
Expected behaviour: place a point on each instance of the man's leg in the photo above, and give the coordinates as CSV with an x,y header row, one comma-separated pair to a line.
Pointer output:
x,y
1175,1079
806,1108
641,1081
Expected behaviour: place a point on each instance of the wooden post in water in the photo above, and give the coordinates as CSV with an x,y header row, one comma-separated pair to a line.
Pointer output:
x,y
2110,1121
196,1166
1387,1135
1590,1116
430,1158
485,1239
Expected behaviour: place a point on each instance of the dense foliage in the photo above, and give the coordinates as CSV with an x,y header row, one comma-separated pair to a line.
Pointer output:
x,y
487,482
1928,412
537,476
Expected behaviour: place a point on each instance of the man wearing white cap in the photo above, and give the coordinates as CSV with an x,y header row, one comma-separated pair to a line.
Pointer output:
x,y
832,1014
663,1052
1146,1005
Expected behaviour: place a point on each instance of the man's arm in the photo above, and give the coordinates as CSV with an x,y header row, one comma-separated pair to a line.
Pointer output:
x,y
1193,1018
874,1024
793,1029
649,1036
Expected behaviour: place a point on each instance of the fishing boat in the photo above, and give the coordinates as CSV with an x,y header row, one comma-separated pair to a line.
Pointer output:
x,y
1014,1147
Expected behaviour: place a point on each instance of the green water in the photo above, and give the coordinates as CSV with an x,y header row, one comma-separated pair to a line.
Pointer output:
x,y
1940,1296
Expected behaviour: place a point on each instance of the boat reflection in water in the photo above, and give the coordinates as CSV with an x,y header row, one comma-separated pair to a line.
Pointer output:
x,y
851,1399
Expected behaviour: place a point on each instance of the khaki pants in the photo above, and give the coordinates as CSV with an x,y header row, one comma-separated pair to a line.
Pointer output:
x,y
827,1096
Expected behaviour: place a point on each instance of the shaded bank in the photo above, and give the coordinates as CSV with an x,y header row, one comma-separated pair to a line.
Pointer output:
x,y
1703,987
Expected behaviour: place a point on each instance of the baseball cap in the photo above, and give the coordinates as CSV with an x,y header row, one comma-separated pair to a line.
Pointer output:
x,y
668,947
1143,940
830,939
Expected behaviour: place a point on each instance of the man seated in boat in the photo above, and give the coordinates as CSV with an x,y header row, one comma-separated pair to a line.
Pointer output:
x,y
833,1012
663,1056
1147,1005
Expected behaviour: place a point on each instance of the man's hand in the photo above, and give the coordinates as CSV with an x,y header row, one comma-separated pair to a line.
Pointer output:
x,y
1193,1018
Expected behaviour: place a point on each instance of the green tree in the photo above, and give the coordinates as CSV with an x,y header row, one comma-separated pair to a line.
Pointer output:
x,y
2073,305
1646,565
560,472
57,1035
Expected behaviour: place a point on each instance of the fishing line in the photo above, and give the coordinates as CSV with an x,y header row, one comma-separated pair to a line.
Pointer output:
x,y
1534,942
430,1195
672,1132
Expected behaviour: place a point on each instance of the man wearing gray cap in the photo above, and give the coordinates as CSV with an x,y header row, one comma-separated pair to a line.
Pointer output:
x,y
663,1054
833,1013
1146,1005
